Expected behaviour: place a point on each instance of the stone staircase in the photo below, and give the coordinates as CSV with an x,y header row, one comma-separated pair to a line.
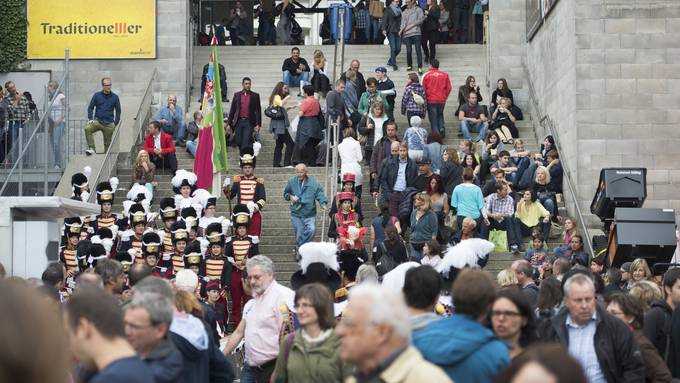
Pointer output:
x,y
263,66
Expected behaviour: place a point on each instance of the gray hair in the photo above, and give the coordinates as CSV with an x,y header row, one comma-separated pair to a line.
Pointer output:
x,y
579,279
155,285
367,273
384,307
262,262
159,307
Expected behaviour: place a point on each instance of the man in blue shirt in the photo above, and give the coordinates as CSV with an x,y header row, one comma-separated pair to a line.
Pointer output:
x,y
303,192
171,118
103,114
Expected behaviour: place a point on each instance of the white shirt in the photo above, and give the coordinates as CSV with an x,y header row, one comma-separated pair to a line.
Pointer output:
x,y
157,141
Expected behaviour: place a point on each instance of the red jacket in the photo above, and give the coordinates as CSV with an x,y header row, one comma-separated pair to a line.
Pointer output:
x,y
437,86
166,144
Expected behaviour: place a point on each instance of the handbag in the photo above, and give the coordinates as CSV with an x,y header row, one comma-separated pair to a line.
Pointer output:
x,y
274,112
418,99
451,222
376,9
500,240
555,230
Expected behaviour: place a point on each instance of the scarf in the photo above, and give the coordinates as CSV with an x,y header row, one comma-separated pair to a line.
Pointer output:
x,y
396,10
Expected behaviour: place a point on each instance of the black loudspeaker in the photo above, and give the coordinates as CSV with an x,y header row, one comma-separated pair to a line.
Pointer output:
x,y
619,187
642,233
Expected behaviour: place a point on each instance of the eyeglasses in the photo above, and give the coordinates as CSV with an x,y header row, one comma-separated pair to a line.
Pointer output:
x,y
507,314
106,84
299,306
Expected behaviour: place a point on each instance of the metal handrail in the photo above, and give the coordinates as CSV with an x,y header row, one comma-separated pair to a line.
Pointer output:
x,y
41,122
547,123
111,156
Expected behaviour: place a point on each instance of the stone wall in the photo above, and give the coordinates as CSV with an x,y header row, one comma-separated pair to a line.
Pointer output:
x,y
130,77
606,74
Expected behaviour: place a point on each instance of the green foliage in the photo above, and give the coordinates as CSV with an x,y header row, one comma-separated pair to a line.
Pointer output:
x,y
12,34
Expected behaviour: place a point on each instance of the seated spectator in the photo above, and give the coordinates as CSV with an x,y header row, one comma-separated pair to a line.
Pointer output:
x,y
391,252
160,147
660,314
433,150
465,90
499,215
536,255
568,232
144,171
431,254
451,171
446,342
576,254
415,137
506,166
490,153
468,229
467,199
502,91
490,185
530,213
413,100
295,70
372,126
504,122
506,278
467,147
371,96
319,75
544,190
422,286
629,310
513,320
473,119
556,171
171,118
520,158
470,162
424,225
192,133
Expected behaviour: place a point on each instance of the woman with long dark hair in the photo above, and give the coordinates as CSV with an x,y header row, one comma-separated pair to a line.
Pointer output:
x,y
451,171
490,150
464,91
502,90
440,202
378,226
279,128
512,319
393,248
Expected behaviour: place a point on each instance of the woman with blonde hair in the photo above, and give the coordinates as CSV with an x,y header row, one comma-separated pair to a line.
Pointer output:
x,y
506,278
544,191
639,271
424,225
647,292
144,171
319,76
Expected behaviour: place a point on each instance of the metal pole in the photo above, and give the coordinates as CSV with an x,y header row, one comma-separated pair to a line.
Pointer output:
x,y
45,150
66,83
341,12
21,161
335,60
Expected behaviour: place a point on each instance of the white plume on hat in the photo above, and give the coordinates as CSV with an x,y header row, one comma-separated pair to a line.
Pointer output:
x,y
257,146
114,183
394,280
182,175
87,171
201,196
319,252
138,189
466,253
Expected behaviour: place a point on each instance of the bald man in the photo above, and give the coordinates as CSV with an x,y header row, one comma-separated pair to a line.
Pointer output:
x,y
171,117
303,192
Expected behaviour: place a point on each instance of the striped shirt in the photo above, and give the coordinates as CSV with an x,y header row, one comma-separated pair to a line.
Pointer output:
x,y
582,347
213,268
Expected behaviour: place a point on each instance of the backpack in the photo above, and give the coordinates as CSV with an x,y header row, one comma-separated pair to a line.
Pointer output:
x,y
386,262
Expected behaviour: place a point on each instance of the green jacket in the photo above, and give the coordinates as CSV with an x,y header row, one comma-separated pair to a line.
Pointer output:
x,y
321,364
364,107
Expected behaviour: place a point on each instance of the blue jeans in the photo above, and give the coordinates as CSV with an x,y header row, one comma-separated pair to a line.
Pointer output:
x,y
177,131
247,375
549,205
372,30
294,81
304,229
57,132
527,177
395,47
467,127
191,148
15,127
435,112
522,165
416,255
410,42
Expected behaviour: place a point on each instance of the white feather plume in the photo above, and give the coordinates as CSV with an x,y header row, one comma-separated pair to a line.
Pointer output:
x,y
139,189
466,253
125,236
127,204
394,280
201,196
319,252
114,183
182,175
146,203
204,245
114,230
96,240
257,146
84,196
108,245
87,171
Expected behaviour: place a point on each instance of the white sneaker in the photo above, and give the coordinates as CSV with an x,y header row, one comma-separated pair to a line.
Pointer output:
x,y
89,152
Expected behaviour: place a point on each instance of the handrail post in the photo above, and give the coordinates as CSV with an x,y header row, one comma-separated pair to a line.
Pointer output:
x,y
21,160
46,152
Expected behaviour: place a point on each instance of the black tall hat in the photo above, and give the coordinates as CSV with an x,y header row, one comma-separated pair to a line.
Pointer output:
x,y
168,209
179,232
137,214
318,264
240,216
192,254
79,184
190,215
72,226
151,244
105,192
214,234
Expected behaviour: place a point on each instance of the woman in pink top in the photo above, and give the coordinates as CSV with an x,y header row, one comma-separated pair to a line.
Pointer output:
x,y
309,131
568,232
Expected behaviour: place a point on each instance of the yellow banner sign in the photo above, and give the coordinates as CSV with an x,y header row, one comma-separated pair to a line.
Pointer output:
x,y
92,29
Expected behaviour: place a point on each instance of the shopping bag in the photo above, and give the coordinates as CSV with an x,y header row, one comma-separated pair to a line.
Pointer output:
x,y
292,128
500,240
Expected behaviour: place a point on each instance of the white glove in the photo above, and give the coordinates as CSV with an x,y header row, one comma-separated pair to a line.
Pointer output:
x,y
84,196
252,206
227,181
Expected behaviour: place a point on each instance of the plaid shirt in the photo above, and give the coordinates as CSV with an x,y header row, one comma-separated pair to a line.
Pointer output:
x,y
361,19
19,112
505,206
407,102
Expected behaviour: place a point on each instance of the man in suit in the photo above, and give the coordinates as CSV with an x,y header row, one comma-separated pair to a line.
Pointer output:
x,y
245,116
160,147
